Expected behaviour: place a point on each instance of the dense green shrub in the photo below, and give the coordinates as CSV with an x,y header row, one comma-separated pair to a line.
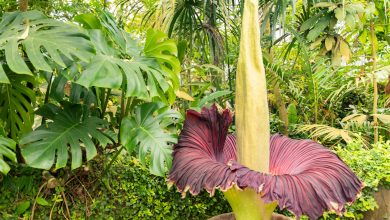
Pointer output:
x,y
136,193
128,191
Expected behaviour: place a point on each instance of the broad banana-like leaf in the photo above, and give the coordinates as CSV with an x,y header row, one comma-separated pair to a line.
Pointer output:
x,y
147,132
7,149
43,39
304,176
71,130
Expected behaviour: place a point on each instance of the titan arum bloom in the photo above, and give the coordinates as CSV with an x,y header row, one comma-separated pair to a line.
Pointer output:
x,y
257,172
304,177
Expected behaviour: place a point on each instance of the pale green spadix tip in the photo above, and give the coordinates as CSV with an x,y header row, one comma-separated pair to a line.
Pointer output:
x,y
252,116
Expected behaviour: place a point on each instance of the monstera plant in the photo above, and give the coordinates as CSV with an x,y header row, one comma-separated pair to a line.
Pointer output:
x,y
257,172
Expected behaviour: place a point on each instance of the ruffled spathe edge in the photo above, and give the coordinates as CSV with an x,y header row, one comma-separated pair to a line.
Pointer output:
x,y
304,176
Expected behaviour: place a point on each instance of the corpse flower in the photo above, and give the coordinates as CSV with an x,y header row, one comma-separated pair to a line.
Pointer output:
x,y
304,177
257,172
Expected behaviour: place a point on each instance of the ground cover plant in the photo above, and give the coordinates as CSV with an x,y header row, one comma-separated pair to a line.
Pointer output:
x,y
94,95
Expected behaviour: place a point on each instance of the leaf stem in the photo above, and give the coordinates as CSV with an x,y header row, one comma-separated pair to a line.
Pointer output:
x,y
128,105
105,102
112,161
46,100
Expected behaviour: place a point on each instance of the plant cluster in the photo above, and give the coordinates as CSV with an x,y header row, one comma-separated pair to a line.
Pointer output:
x,y
372,165
129,190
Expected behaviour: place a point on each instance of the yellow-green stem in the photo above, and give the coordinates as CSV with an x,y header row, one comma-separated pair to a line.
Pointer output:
x,y
247,205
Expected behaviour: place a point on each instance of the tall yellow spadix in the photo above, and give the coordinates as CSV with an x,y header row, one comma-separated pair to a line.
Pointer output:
x,y
252,116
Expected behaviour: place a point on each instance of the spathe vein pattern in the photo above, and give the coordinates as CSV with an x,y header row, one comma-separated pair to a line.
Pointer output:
x,y
304,176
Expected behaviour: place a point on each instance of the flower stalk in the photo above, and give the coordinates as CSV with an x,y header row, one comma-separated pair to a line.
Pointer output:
x,y
247,204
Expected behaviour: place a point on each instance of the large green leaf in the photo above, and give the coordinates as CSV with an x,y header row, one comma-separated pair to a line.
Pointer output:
x,y
44,41
120,63
108,69
16,104
146,130
71,130
7,149
165,51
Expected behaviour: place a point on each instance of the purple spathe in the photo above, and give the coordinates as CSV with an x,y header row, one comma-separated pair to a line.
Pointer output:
x,y
304,176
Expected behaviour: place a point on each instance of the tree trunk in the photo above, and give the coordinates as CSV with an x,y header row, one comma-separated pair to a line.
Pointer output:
x,y
281,109
374,82
23,5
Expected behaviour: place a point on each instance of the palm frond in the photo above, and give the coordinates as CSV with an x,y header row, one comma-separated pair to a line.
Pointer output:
x,y
328,133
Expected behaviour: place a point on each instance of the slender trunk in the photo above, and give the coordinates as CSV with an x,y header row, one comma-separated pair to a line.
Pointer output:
x,y
281,109
230,80
23,5
374,82
252,115
283,116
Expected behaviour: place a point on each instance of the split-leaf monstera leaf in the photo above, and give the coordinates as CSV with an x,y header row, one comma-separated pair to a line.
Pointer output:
x,y
304,176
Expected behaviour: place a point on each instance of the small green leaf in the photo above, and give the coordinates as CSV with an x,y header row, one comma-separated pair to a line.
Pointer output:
x,y
209,98
363,36
350,21
292,114
316,43
340,14
318,28
41,201
22,207
329,42
306,25
344,49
